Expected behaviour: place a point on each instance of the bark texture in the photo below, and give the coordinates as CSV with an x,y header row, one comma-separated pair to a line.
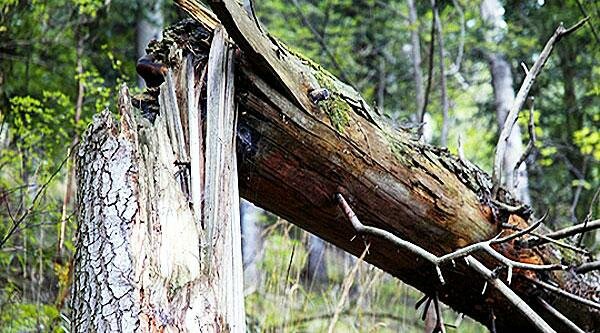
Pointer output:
x,y
296,152
147,260
137,265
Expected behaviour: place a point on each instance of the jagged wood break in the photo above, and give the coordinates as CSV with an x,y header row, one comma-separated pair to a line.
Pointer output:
x,y
295,154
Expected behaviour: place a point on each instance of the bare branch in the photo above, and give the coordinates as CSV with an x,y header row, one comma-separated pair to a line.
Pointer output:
x,y
439,320
517,104
588,267
572,230
588,217
560,316
547,240
31,207
583,11
566,294
525,309
321,40
530,144
484,246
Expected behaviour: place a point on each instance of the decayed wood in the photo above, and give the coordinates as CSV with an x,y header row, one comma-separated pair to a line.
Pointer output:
x,y
294,156
137,264
138,260
221,201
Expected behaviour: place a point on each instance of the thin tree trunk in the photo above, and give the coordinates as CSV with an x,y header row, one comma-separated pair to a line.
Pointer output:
x,y
315,271
443,91
149,25
415,52
504,94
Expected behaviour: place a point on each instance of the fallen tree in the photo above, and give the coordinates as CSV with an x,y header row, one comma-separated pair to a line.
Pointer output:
x,y
312,151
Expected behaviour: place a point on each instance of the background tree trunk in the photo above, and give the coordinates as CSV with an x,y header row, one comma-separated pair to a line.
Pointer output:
x,y
149,26
504,95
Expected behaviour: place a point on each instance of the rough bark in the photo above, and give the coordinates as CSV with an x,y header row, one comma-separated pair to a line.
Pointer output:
x,y
145,260
295,154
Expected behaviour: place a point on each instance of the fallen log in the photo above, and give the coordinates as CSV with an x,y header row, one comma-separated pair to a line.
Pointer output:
x,y
304,136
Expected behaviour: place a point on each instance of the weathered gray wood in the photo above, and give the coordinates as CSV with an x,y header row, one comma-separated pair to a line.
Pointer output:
x,y
138,260
221,205
195,140
137,264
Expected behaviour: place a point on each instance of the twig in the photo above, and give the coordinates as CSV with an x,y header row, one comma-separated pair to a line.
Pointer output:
x,y
321,41
517,104
572,230
525,309
587,267
560,316
583,11
20,220
492,320
530,144
439,320
547,240
508,208
485,246
566,294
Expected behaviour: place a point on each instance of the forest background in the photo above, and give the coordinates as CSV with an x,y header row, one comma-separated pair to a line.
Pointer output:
x,y
61,62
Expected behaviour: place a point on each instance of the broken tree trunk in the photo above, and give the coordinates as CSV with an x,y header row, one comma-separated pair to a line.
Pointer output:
x,y
297,150
159,248
303,136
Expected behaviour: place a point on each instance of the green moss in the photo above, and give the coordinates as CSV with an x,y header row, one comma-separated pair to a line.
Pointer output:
x,y
335,107
401,151
338,112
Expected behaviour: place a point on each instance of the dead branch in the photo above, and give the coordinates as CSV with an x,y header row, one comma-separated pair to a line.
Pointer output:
x,y
530,144
464,252
539,236
559,316
509,294
588,267
571,231
517,104
566,294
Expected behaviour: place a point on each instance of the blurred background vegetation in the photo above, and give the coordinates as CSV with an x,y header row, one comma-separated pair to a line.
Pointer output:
x,y
61,61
